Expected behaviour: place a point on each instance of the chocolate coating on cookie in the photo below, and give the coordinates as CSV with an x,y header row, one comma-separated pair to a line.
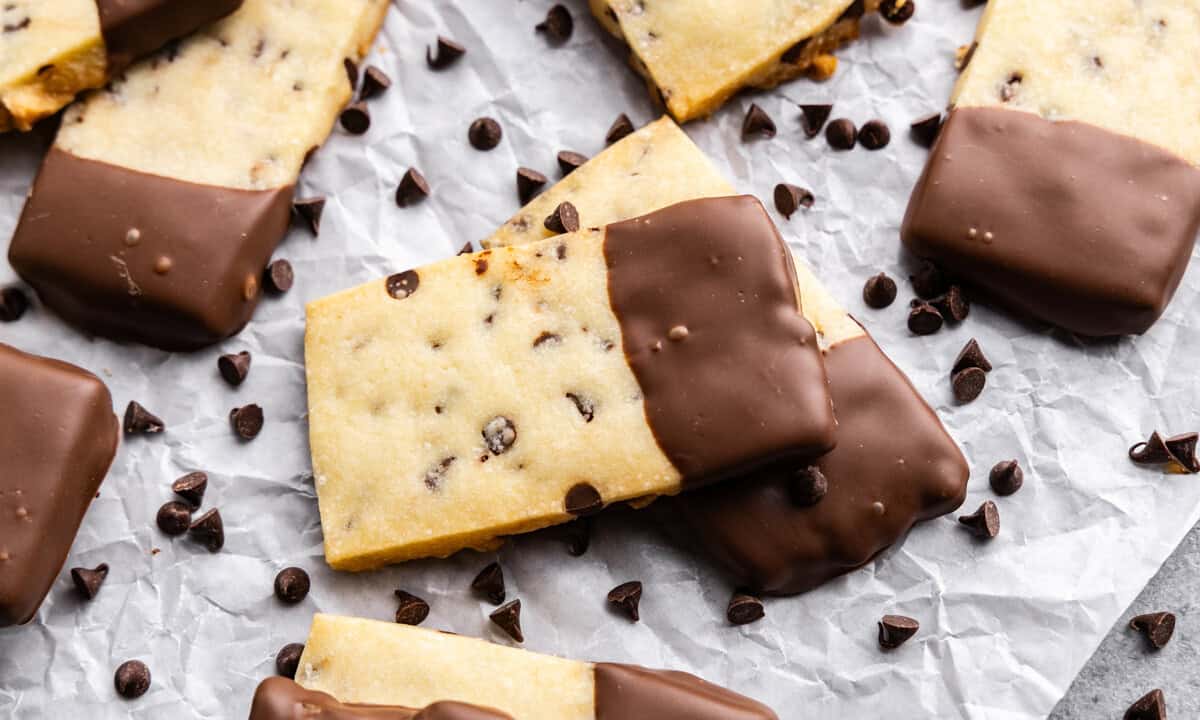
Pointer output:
x,y
278,698
624,692
133,28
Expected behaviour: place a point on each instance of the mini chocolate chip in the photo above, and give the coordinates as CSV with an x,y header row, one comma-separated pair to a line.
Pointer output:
x,y
402,285
448,52
247,421
309,211
279,277
18,25
583,499
621,127
984,522
355,118
924,319
895,630
813,118
1151,706
375,83
529,182
874,135
924,130
757,123
499,434
209,530
412,189
1158,628
481,265
1152,452
789,198
88,581
436,474
897,12
141,421
490,583
968,383
879,291
13,304
508,618
744,609
578,535
351,73
971,356
191,488
626,597
174,518
808,485
1009,89
1006,477
132,679
412,610
484,133
1182,449
841,134
558,24
953,305
928,281
292,585
234,367
287,661
547,337
565,218
569,161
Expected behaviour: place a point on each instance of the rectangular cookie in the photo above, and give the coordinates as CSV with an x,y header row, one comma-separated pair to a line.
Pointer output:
x,y
1065,181
58,436
160,203
695,54
497,393
52,50
378,663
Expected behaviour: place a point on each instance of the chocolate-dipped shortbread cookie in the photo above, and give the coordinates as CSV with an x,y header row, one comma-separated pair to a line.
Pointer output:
x,y
279,698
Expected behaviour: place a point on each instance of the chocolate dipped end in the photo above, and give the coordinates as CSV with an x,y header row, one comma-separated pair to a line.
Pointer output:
x,y
133,28
58,436
1064,221
629,692
142,257
881,481
730,371
279,698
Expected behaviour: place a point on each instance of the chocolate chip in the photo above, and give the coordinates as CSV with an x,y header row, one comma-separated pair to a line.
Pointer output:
x,y
499,434
351,73
569,161
1009,89
88,581
953,305
879,291
13,304
968,383
292,585
621,127
279,277
928,281
191,488
744,609
789,198
924,319
375,83
355,118
481,265
208,530
565,218
808,485
309,211
1151,706
897,12
437,473
132,679
626,597
895,630
466,249
448,52
139,420
841,134
287,660
412,189
971,356
874,135
174,518
529,182
234,367
1157,627
484,133
558,24
984,522
402,285
1152,452
547,337
1182,449
412,610
757,123
585,405
925,130
813,118
508,618
247,421
578,535
490,583
583,499
1006,477
18,25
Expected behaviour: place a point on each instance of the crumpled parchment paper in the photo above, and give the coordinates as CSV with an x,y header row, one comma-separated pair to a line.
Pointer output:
x,y
1004,625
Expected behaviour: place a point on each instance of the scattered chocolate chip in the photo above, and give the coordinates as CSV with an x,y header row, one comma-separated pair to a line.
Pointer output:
x,y
1151,452
789,198
529,183
1158,627
808,485
879,291
895,630
897,12
355,118
465,249
583,499
565,218
841,134
484,133
351,73
279,277
578,535
757,123
1006,477
924,319
1182,449
499,434
558,24
139,420
292,585
925,130
448,52
412,189
234,367
208,530
412,609
174,518
375,83
569,161
287,661
1151,706
928,281
968,383
874,135
984,522
309,211
13,304
88,581
508,618
813,118
247,421
402,285
621,127
953,305
490,583
191,488
744,609
132,679
971,356
626,597
585,405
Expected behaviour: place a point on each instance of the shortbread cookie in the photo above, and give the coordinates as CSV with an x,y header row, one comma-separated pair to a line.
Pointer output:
x,y
500,392
58,436
51,50
163,197
1065,180
695,54
376,663
278,698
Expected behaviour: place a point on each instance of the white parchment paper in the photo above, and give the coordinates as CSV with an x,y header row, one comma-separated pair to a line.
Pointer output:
x,y
1004,625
